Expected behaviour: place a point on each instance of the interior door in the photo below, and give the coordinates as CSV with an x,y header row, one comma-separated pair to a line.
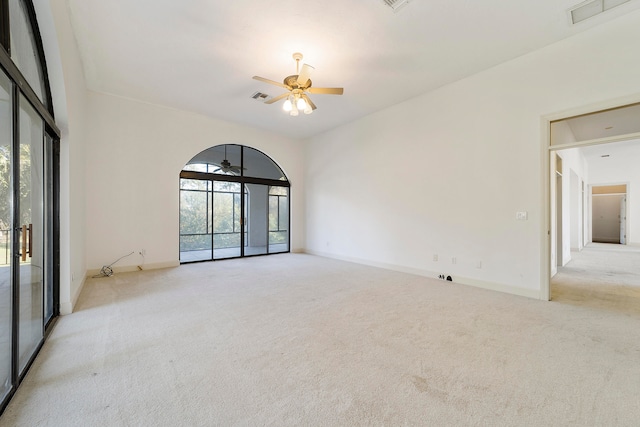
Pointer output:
x,y
30,233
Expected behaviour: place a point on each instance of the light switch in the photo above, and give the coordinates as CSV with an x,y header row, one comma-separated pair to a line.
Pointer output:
x,y
522,216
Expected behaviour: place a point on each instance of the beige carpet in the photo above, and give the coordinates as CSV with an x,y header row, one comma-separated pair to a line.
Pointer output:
x,y
602,275
301,340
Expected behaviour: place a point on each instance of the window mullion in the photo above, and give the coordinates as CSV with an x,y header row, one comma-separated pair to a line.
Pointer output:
x,y
5,40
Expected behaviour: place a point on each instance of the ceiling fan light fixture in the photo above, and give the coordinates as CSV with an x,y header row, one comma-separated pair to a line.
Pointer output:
x,y
288,105
308,109
299,85
301,104
294,109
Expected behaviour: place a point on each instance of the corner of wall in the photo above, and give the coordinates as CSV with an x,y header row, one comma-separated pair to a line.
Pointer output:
x,y
67,307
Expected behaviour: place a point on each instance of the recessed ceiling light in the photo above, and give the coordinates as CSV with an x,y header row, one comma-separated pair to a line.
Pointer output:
x,y
609,127
605,155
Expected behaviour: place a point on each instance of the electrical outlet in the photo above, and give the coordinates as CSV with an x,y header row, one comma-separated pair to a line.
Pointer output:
x,y
454,260
435,257
479,264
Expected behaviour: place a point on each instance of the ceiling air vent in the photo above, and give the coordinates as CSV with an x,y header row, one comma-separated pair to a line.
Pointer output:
x,y
592,8
396,4
259,96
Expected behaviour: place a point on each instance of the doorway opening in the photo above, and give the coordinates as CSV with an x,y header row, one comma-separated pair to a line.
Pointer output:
x,y
609,213
234,202
592,179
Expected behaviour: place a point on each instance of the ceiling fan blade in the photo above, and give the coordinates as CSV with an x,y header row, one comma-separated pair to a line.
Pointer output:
x,y
304,75
217,170
326,90
272,82
308,101
277,98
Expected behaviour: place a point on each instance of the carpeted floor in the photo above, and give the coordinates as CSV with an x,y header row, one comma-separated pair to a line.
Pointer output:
x,y
301,340
602,275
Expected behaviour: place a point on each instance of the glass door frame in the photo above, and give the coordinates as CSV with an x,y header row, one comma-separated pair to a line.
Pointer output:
x,y
20,88
52,280
203,176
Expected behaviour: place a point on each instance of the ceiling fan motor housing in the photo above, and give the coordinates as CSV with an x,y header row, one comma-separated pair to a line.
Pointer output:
x,y
293,82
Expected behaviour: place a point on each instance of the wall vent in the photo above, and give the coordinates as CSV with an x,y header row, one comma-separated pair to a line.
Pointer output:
x,y
592,8
259,96
396,4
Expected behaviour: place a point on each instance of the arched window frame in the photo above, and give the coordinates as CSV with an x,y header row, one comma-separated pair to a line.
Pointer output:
x,y
244,180
45,109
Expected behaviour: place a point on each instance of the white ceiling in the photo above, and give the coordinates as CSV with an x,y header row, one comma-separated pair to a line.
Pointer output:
x,y
622,123
595,153
200,55
603,124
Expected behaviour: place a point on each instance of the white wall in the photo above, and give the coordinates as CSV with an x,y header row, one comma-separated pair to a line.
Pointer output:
x,y
445,173
69,99
573,163
135,152
575,208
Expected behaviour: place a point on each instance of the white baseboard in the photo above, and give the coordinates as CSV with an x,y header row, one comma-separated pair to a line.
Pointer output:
x,y
529,293
67,307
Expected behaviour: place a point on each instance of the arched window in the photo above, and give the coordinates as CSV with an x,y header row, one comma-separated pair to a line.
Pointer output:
x,y
29,147
234,202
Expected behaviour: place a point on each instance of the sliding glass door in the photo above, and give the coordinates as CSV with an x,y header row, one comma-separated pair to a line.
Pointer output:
x,y
234,202
195,220
30,233
257,220
29,219
227,218
278,219
28,223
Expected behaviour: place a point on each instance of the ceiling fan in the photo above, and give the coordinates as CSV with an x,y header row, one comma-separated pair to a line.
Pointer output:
x,y
298,86
227,167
